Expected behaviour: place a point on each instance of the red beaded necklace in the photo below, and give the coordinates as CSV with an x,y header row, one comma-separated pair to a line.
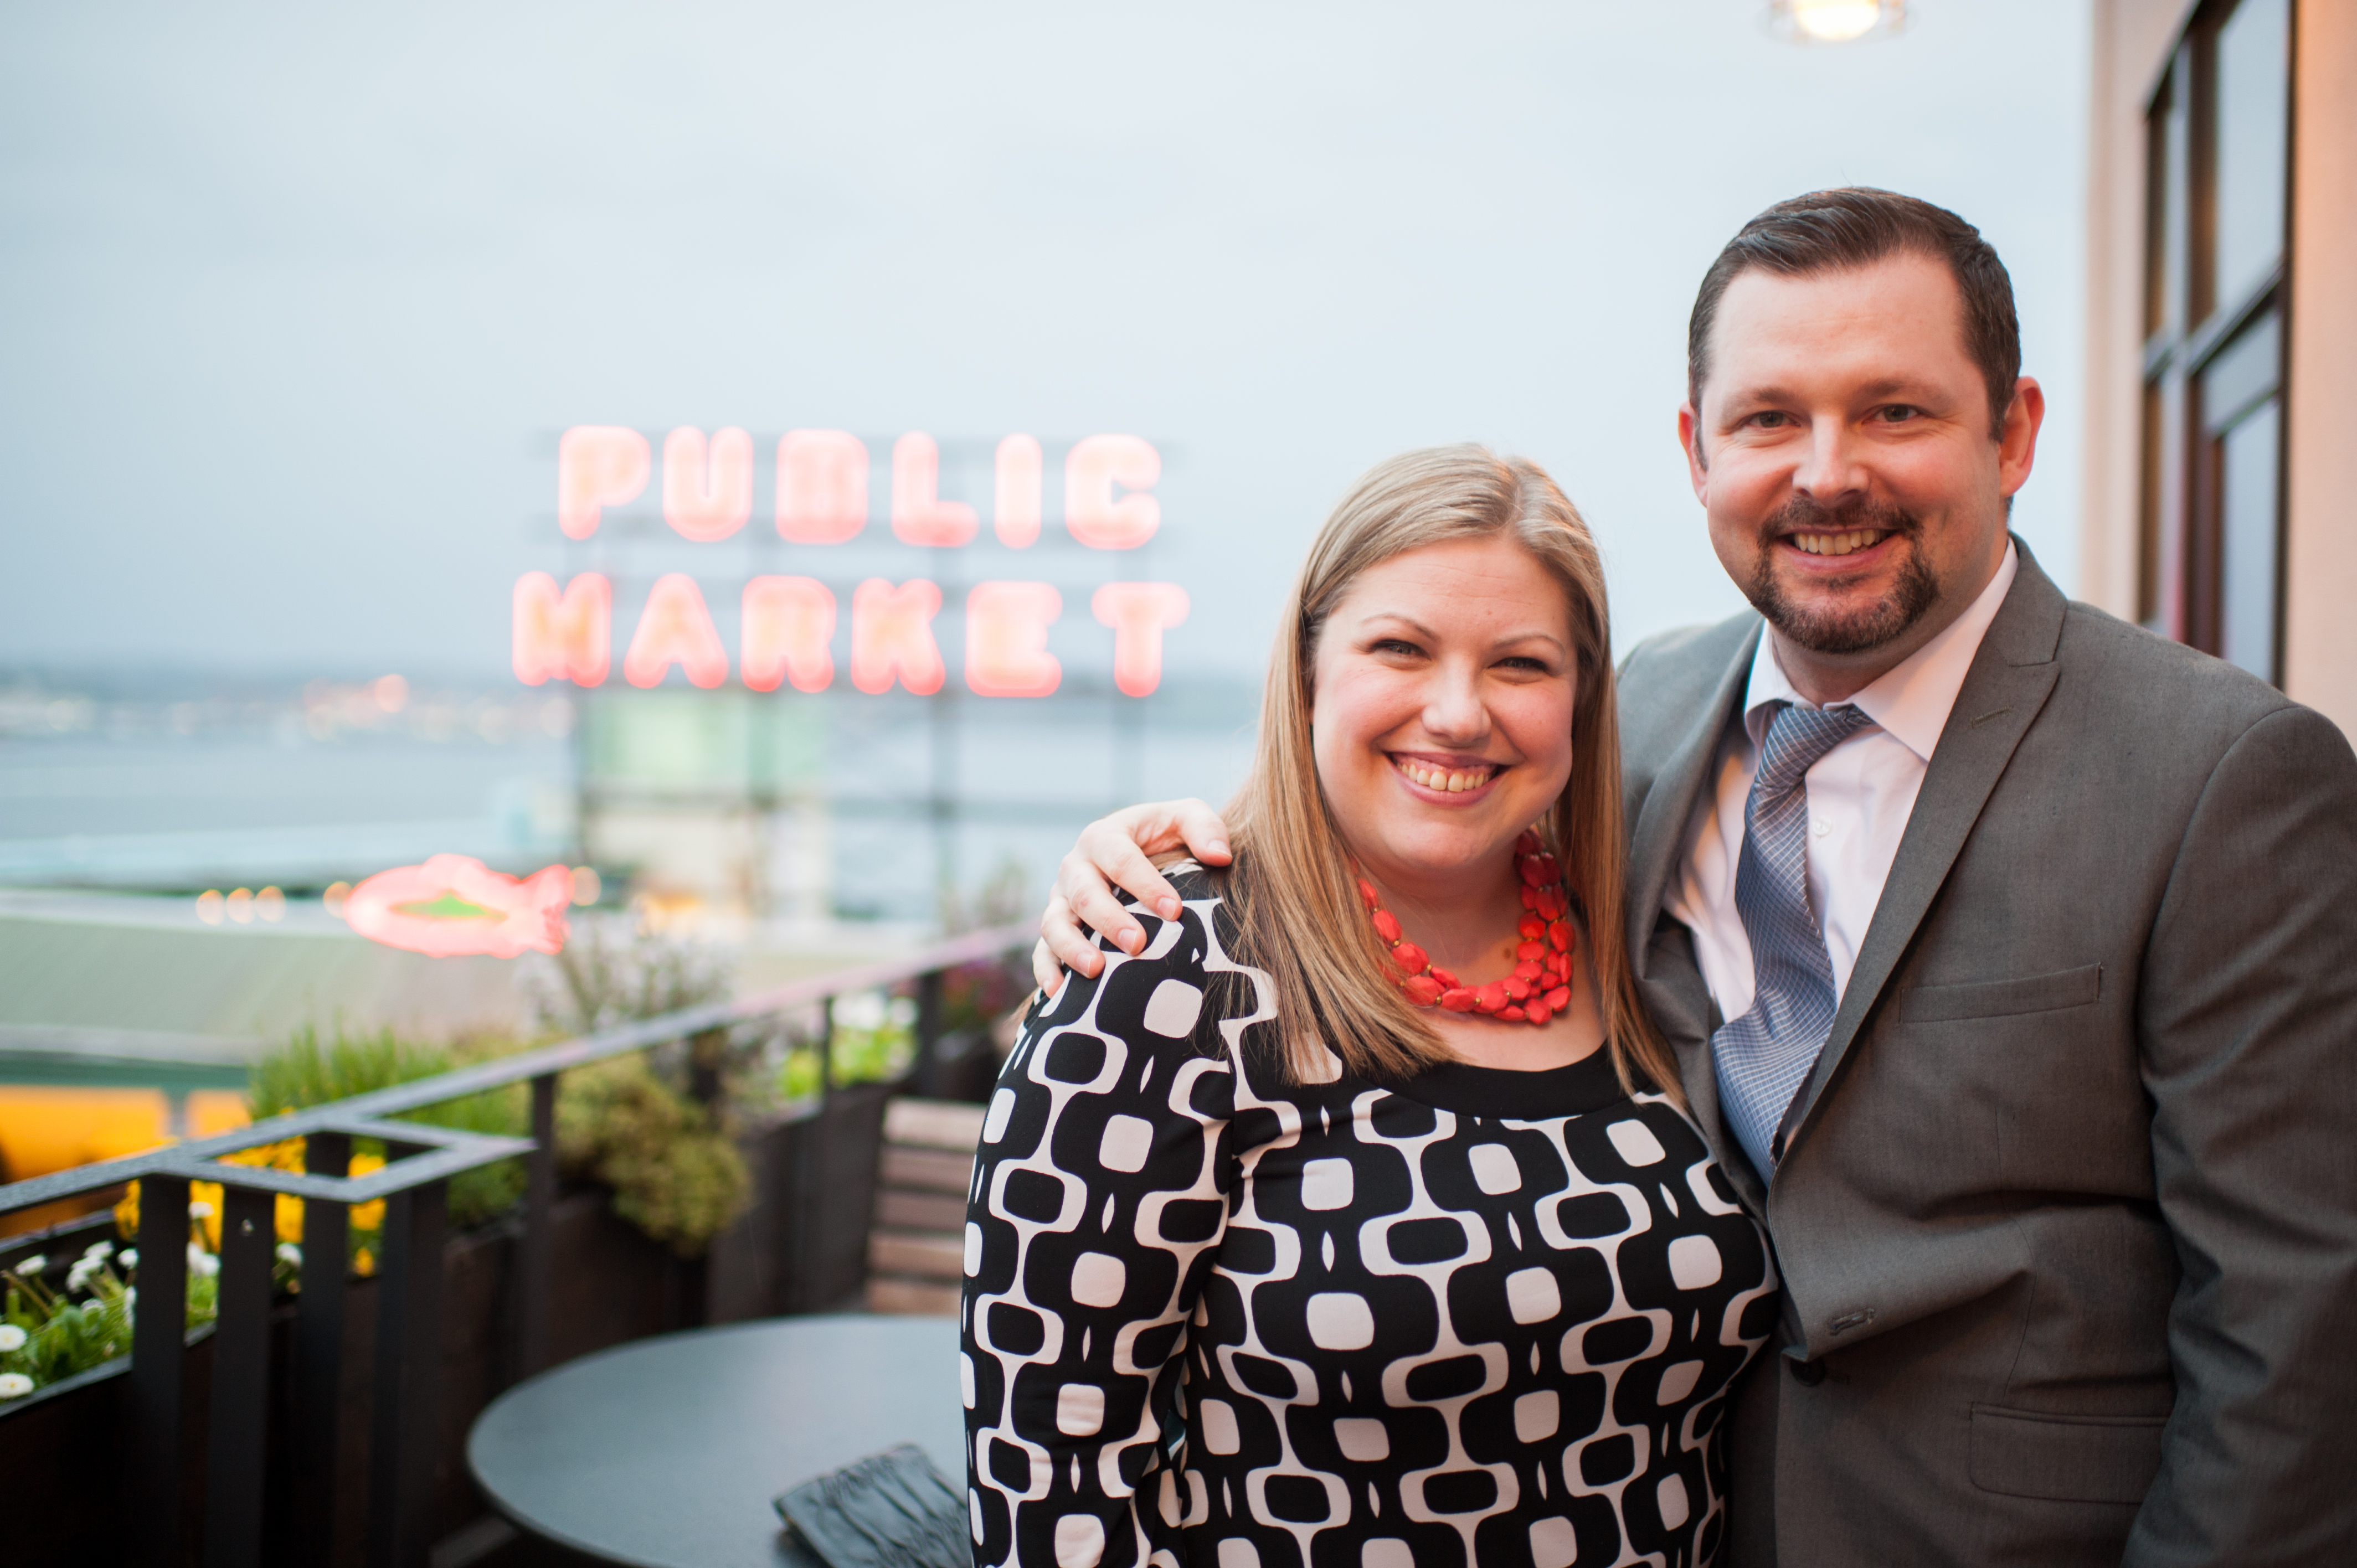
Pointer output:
x,y
1540,986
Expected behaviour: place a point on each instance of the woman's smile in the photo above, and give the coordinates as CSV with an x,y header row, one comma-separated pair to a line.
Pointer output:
x,y
1443,777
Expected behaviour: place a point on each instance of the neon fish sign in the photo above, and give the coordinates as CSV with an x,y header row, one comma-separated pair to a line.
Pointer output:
x,y
453,906
788,624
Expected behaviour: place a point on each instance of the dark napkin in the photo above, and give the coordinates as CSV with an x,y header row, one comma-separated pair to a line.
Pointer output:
x,y
888,1511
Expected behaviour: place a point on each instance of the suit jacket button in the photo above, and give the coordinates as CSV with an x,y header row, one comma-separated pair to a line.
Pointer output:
x,y
1808,1374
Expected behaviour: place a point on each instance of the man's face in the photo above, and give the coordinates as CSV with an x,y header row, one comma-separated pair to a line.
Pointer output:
x,y
1843,456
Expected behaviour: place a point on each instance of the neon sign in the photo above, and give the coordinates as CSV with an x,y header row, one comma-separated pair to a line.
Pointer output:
x,y
1091,470
788,623
1006,639
1015,511
675,628
563,637
598,465
453,906
918,515
822,486
1138,613
892,637
707,489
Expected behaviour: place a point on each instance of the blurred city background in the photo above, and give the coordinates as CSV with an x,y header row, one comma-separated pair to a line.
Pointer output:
x,y
300,303
519,520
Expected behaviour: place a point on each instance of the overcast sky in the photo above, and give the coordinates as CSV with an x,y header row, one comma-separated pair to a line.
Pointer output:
x,y
294,300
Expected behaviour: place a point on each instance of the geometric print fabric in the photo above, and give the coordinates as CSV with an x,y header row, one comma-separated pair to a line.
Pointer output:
x,y
1216,1319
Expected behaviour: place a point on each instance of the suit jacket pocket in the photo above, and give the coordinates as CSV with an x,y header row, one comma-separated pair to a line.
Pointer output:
x,y
2081,1459
2002,998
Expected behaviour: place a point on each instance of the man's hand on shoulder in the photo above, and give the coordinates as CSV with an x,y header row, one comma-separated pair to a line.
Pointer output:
x,y
1116,852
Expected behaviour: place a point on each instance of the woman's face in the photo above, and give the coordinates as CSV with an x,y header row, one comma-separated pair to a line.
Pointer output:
x,y
1442,703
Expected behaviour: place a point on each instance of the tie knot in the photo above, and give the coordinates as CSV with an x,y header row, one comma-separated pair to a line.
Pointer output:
x,y
1797,736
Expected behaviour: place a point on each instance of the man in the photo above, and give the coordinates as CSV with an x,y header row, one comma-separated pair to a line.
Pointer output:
x,y
2016,988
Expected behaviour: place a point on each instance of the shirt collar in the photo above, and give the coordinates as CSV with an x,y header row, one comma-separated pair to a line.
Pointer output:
x,y
1911,699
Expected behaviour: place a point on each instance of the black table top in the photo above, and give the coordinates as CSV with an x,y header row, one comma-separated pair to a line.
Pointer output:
x,y
667,1452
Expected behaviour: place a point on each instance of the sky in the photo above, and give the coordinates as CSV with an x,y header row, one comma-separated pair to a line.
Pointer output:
x,y
298,299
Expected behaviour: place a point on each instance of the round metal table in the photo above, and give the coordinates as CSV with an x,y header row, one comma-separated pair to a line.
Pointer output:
x,y
667,1452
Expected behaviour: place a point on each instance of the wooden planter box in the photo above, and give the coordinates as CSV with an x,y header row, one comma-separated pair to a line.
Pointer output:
x,y
800,1247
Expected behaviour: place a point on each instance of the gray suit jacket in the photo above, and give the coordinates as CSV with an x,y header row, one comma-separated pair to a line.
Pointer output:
x,y
2069,1225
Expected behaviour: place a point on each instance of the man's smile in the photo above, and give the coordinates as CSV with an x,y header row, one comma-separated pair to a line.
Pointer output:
x,y
1847,544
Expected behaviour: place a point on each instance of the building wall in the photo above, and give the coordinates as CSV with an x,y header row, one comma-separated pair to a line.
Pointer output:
x,y
2133,39
2321,574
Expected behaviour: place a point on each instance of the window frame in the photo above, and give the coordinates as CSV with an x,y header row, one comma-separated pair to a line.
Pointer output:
x,y
2182,523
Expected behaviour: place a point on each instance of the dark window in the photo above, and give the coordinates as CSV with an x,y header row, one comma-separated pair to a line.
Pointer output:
x,y
2217,178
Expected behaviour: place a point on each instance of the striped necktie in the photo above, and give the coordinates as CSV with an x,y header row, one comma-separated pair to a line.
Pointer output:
x,y
1763,1057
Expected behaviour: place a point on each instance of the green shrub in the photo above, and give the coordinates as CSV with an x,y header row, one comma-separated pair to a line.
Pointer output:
x,y
306,1070
600,980
874,1038
674,1171
651,1127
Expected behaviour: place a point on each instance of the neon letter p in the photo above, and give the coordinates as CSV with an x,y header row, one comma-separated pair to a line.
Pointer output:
x,y
596,465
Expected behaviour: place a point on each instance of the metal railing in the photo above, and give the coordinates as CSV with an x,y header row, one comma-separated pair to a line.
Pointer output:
x,y
419,1159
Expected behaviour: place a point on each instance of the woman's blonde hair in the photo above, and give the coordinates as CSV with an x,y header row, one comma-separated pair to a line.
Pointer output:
x,y
1293,873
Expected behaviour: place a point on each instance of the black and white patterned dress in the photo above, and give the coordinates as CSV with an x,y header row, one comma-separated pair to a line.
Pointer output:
x,y
1219,1321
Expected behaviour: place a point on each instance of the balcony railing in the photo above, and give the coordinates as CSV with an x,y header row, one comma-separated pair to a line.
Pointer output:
x,y
420,1160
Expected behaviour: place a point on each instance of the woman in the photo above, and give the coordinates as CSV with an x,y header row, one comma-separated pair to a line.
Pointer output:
x,y
1352,1222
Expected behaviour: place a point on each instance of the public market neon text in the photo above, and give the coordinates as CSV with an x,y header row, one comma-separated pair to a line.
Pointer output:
x,y
788,623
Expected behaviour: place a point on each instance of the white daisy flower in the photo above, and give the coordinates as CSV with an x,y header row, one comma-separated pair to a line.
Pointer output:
x,y
15,1385
11,1337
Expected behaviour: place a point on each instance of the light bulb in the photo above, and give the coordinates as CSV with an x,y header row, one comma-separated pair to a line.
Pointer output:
x,y
1835,21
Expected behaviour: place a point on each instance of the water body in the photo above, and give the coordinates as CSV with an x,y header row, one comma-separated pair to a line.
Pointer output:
x,y
880,802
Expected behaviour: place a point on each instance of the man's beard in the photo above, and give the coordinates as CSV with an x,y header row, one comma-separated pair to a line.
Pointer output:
x,y
1856,631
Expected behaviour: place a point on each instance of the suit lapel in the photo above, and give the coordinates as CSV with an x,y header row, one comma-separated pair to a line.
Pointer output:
x,y
1658,837
2011,676
1657,845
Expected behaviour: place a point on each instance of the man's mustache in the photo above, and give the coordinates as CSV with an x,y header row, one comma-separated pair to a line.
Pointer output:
x,y
1805,514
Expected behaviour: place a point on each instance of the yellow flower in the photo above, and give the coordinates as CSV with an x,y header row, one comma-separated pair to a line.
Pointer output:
x,y
368,1216
286,1218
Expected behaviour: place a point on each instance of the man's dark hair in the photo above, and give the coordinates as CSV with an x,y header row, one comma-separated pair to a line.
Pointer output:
x,y
1833,230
